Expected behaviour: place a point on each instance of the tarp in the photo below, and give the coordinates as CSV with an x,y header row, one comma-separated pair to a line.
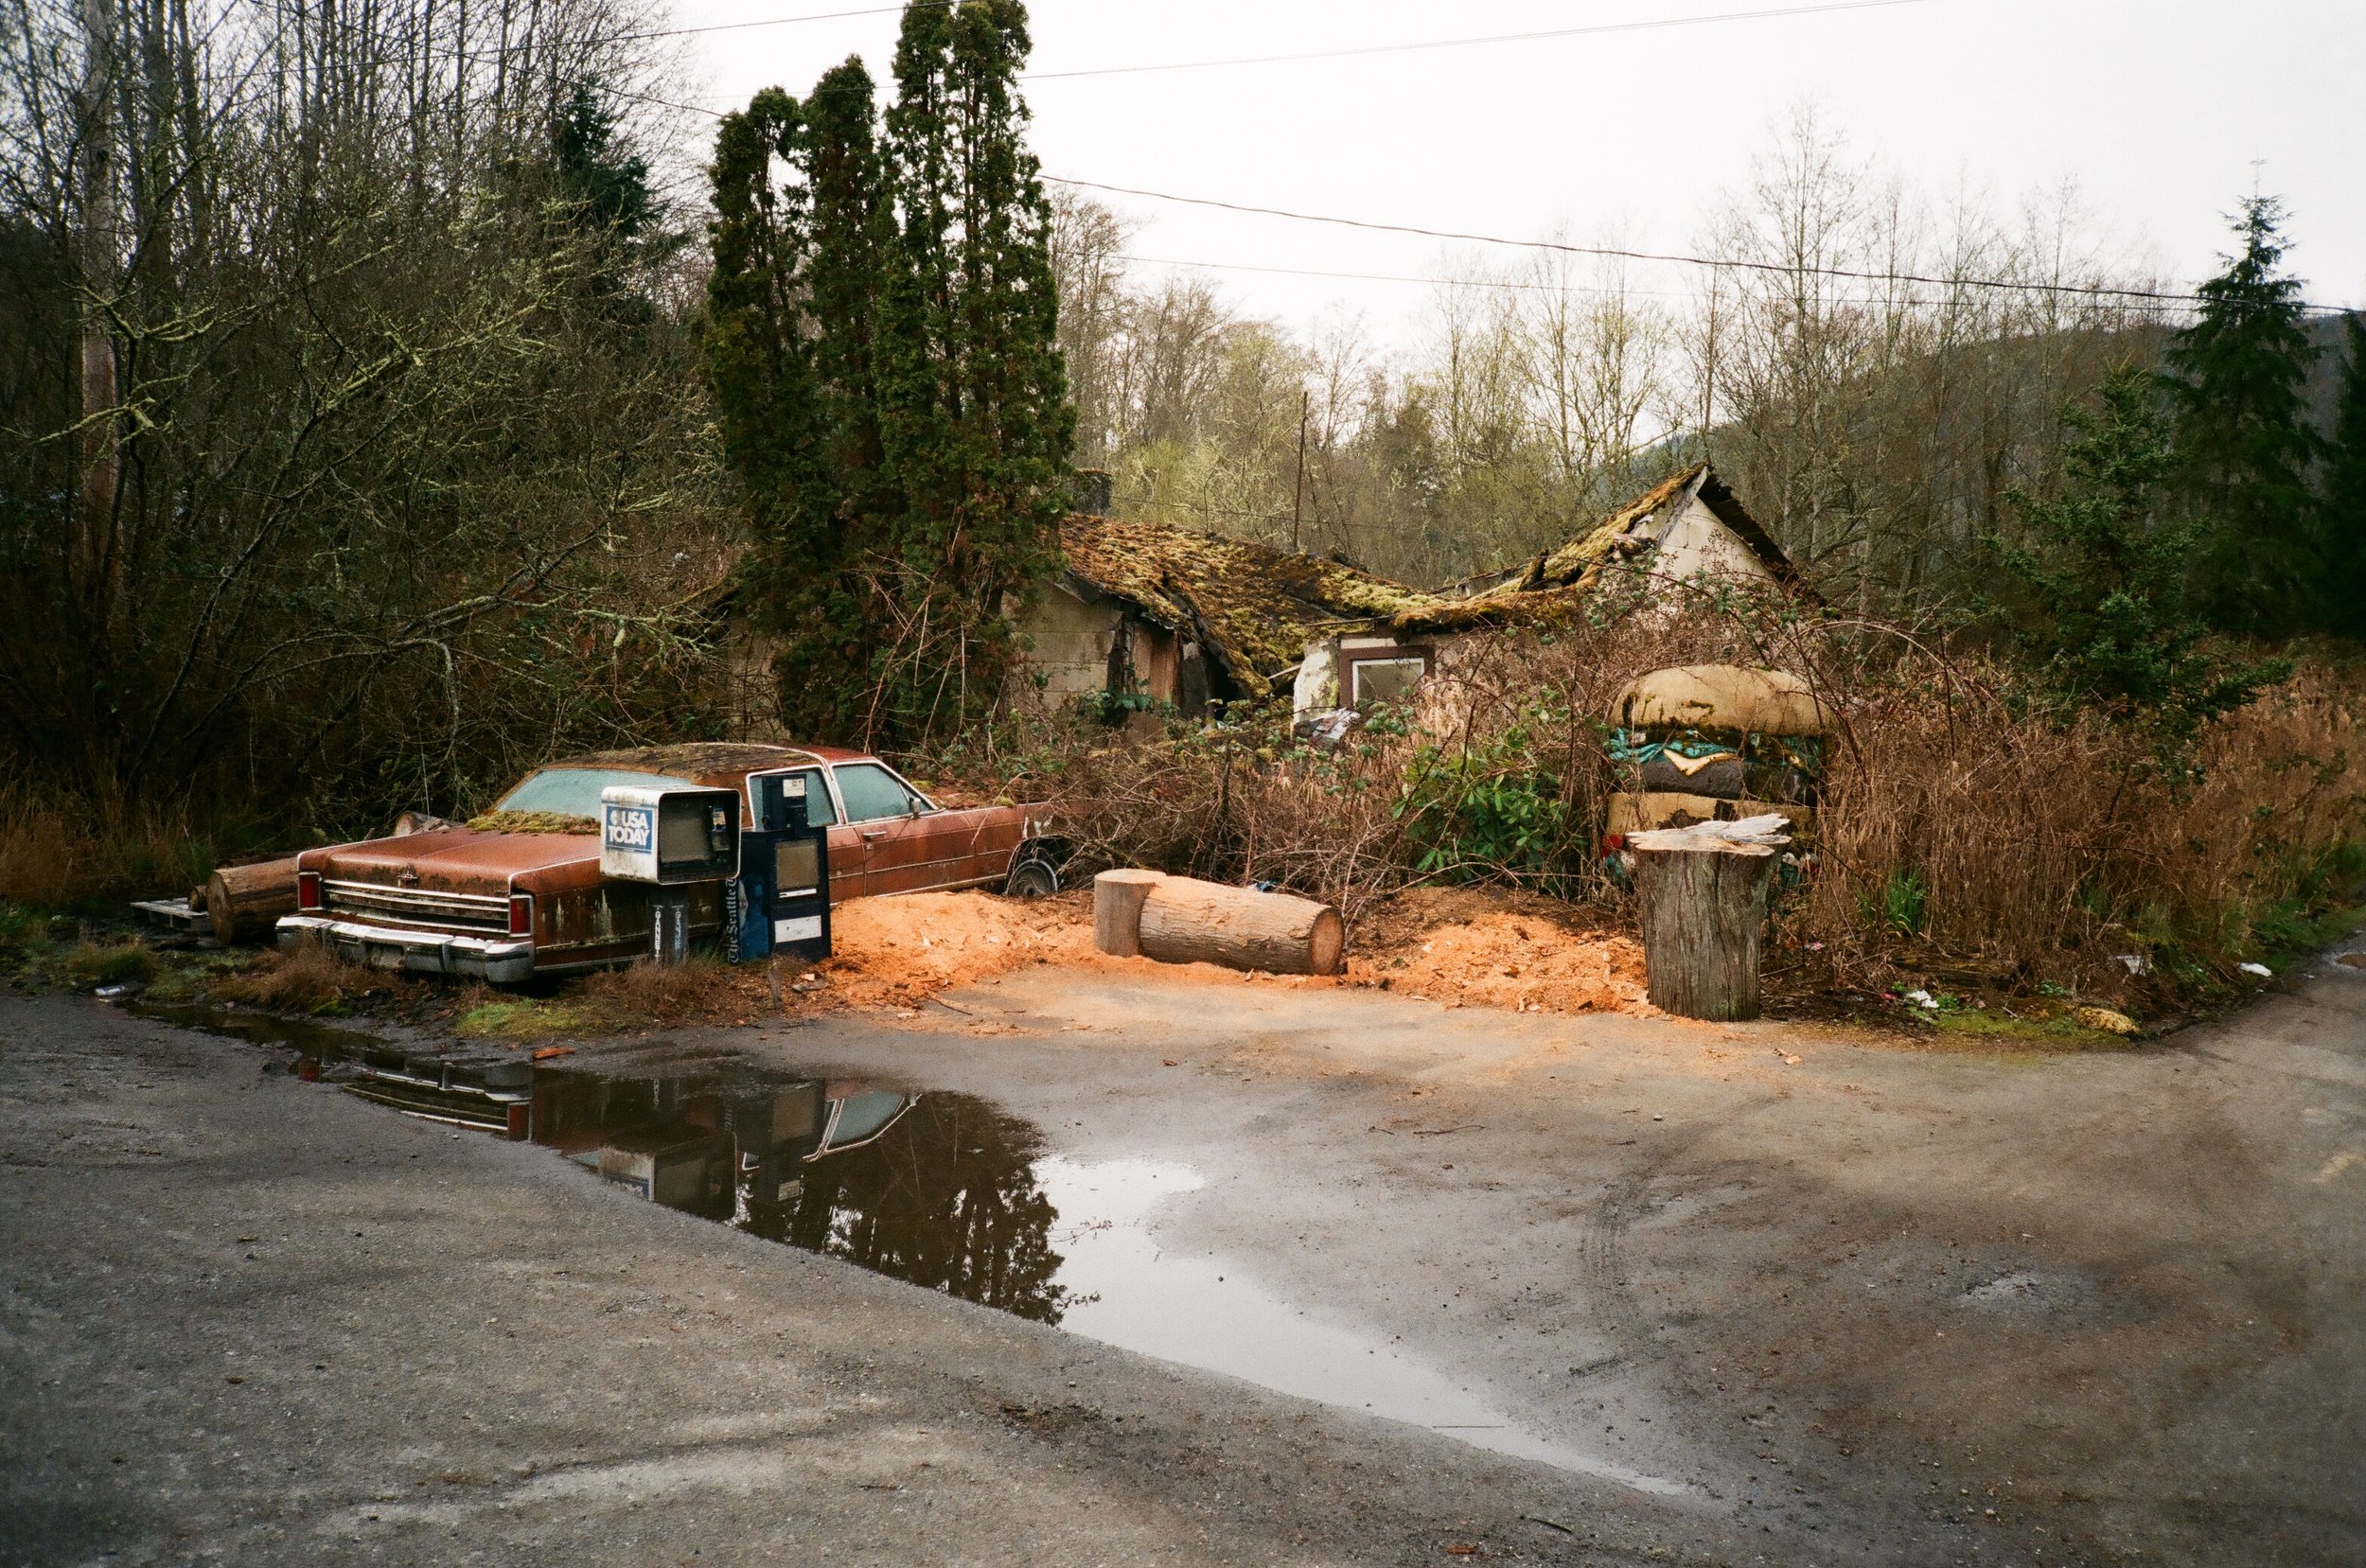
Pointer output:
x,y
1721,697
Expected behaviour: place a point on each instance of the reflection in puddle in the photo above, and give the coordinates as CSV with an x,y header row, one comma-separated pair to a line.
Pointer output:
x,y
1127,1291
939,1189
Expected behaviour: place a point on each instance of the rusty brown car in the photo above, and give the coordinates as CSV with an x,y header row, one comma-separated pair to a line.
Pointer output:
x,y
519,891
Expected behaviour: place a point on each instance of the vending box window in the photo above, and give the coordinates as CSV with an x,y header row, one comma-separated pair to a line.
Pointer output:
x,y
670,836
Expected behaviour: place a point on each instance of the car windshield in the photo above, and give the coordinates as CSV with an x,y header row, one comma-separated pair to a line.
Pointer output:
x,y
576,791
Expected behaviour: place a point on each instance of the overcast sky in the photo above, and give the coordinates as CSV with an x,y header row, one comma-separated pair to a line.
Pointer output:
x,y
2164,112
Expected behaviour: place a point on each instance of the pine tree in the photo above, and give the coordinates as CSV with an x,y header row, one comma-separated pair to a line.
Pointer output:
x,y
2344,505
2237,380
2105,621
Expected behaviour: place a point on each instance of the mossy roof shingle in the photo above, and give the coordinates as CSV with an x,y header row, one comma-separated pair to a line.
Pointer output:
x,y
1251,607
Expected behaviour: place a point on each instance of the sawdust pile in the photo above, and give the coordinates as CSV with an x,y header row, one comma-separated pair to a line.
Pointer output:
x,y
898,952
1461,948
1516,962
1488,947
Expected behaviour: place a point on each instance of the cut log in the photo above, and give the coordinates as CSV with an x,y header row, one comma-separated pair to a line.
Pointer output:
x,y
1118,910
1186,920
1704,892
244,902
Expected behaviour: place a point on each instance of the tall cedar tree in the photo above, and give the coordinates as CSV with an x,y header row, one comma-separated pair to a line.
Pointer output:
x,y
801,238
2103,579
2237,380
973,396
2343,528
881,341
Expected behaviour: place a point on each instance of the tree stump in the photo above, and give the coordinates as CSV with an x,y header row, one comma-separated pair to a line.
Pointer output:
x,y
244,902
1186,920
1704,890
1118,910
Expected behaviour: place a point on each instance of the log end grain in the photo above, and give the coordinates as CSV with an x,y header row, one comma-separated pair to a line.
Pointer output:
x,y
1117,897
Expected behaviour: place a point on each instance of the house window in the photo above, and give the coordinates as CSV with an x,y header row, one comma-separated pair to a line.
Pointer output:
x,y
1387,679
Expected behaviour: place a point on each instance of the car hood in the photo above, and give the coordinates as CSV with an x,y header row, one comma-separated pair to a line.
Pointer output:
x,y
457,858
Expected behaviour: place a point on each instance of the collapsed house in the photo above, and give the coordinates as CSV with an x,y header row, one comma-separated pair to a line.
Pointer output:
x,y
1689,529
1170,615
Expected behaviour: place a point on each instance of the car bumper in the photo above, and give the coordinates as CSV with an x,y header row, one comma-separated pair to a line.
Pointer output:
x,y
498,959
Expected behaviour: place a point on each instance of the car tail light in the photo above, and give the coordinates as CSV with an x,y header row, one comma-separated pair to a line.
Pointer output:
x,y
309,891
522,914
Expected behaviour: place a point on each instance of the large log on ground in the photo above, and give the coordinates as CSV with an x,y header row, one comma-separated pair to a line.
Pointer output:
x,y
1704,891
1185,921
1118,910
244,902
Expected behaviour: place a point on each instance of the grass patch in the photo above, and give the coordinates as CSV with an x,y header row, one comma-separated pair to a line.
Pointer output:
x,y
523,1018
2059,1030
92,964
307,979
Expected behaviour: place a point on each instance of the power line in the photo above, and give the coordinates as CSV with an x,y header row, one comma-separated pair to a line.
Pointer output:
x,y
1354,52
1473,42
1620,254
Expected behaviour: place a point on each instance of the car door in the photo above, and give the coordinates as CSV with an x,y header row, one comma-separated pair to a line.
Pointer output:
x,y
910,844
849,854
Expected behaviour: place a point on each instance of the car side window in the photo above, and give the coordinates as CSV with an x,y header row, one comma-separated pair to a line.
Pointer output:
x,y
872,794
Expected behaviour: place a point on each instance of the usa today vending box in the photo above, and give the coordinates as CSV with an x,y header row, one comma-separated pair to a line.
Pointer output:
x,y
669,836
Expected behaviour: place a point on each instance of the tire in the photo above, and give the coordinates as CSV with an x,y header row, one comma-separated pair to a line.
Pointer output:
x,y
1031,878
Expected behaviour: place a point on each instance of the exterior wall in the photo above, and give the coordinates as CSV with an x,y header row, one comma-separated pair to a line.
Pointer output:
x,y
1316,689
1069,639
1696,544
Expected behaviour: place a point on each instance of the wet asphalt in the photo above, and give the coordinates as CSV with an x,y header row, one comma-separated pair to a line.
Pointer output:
x,y
1875,1304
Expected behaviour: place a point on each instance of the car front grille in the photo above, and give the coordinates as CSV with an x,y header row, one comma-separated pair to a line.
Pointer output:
x,y
421,907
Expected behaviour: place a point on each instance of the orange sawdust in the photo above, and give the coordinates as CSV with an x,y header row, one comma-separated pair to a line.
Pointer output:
x,y
1469,949
1515,962
898,952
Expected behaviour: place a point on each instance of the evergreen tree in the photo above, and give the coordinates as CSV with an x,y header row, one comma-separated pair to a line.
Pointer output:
x,y
610,190
974,413
2237,380
792,306
2106,622
2344,505
881,341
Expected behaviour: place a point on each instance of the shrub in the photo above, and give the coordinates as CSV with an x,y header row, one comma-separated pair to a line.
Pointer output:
x,y
92,964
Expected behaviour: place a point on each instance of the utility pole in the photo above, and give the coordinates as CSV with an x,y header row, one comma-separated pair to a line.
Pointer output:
x,y
1298,494
101,456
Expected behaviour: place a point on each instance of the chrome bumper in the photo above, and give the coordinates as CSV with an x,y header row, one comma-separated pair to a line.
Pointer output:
x,y
501,961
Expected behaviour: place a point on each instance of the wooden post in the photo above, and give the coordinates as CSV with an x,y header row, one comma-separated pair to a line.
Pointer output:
x,y
1185,921
1118,910
1704,890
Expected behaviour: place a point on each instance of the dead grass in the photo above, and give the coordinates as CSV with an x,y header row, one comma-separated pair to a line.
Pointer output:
x,y
702,991
57,855
307,977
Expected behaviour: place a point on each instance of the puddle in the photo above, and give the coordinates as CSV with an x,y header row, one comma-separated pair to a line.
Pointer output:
x,y
1125,1290
941,1190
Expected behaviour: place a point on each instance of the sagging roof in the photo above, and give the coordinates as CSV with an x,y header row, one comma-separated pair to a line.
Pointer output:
x,y
1559,579
1251,607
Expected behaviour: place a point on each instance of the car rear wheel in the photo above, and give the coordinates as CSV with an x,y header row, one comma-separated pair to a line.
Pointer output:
x,y
1031,878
